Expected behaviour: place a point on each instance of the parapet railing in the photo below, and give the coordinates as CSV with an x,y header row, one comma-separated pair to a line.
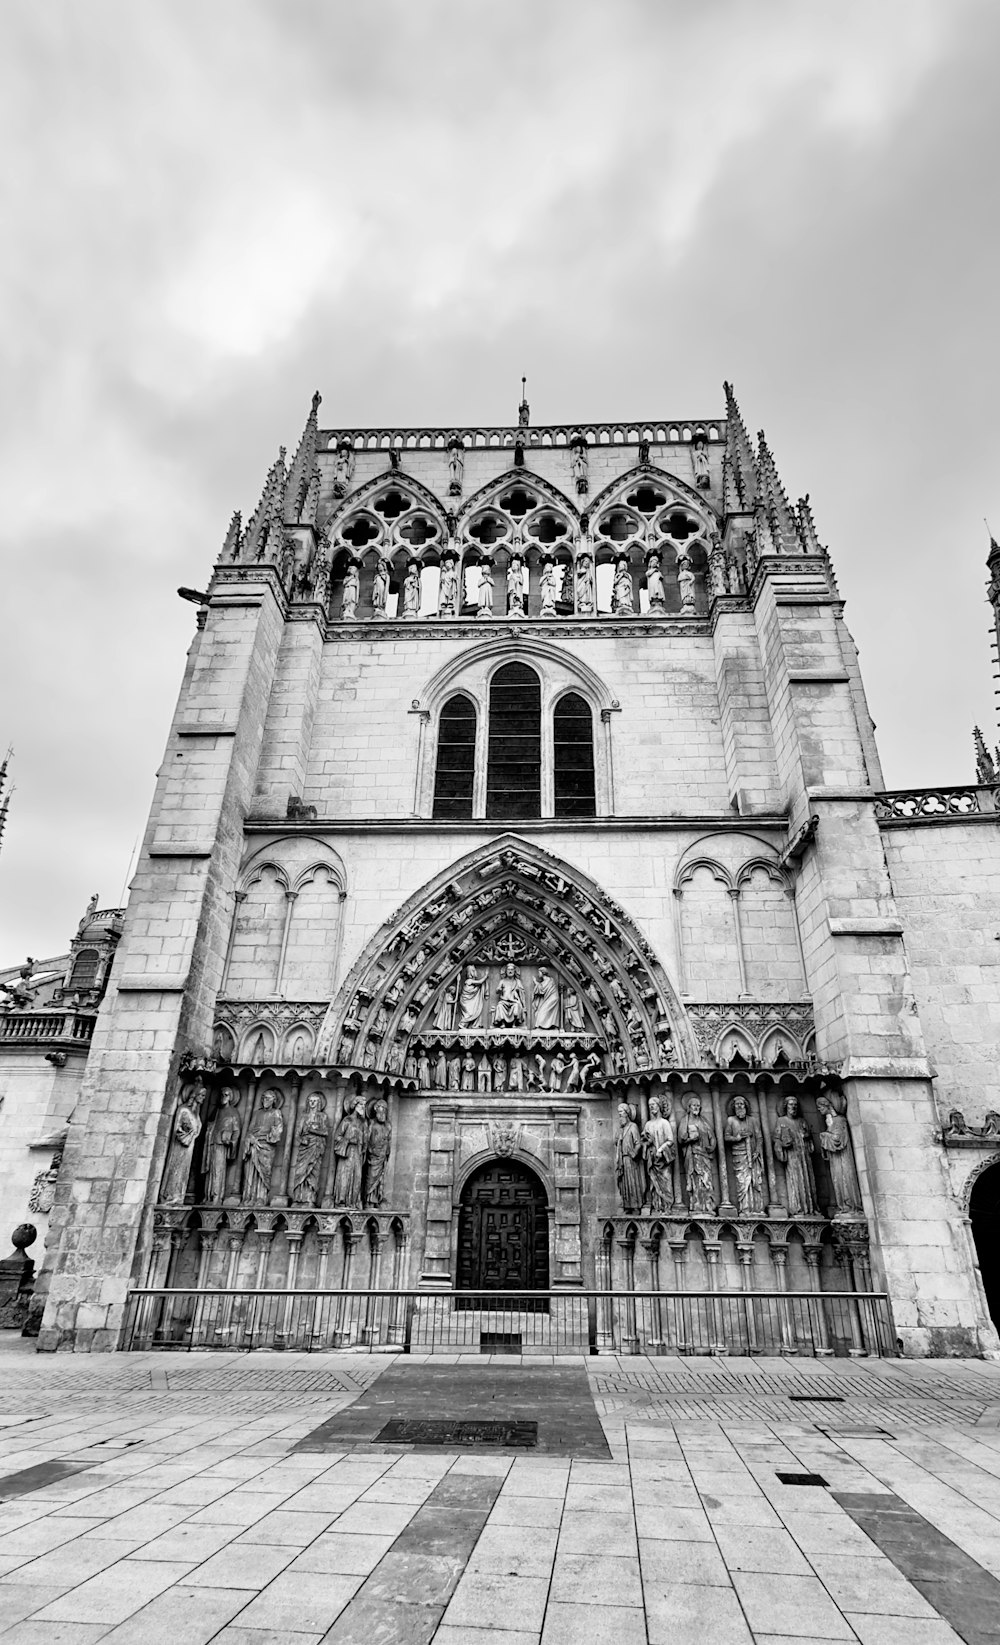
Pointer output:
x,y
47,1025
937,804
656,430
810,1323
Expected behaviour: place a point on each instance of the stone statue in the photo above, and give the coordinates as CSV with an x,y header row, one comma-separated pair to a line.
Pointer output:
x,y
621,594
261,1150
378,1147
557,1068
699,459
549,589
685,582
545,1000
440,1070
187,1130
484,1074
348,1148
654,585
511,1007
515,586
644,458
629,1171
380,587
742,1132
468,1072
411,591
448,587
423,1070
444,1011
221,1145
472,998
581,474
584,585
835,1143
454,1073
352,592
793,1147
344,468
697,1140
500,1072
659,1149
313,1138
456,467
484,598
573,1012
515,1074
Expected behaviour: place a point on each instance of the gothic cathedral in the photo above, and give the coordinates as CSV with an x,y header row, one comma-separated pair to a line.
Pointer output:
x,y
521,910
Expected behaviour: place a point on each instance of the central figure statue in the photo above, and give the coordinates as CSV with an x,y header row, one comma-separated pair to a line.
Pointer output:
x,y
472,999
511,1008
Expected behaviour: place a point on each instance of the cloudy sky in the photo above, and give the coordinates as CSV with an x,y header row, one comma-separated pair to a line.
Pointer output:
x,y
211,209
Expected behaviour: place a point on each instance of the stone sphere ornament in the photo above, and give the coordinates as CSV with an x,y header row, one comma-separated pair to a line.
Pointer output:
x,y
24,1234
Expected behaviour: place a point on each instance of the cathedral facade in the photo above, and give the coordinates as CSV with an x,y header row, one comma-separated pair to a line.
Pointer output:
x,y
521,909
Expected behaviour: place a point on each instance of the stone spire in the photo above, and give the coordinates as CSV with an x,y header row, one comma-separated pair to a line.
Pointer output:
x,y
986,765
272,502
783,521
807,527
740,461
303,466
231,546
5,793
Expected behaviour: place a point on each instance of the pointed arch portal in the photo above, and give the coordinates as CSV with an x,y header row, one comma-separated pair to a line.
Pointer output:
x,y
509,971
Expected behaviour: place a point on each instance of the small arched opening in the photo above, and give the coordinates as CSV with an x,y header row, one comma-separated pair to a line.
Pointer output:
x,y
984,1212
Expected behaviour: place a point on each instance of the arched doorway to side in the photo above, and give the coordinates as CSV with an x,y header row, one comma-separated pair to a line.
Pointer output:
x,y
984,1214
503,1230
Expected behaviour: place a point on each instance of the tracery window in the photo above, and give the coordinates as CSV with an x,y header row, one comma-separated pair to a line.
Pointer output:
x,y
455,773
514,768
573,757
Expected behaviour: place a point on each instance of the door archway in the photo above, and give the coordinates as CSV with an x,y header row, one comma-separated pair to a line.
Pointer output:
x,y
984,1213
503,1230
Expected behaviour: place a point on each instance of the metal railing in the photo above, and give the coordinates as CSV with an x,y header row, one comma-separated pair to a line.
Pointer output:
x,y
843,1323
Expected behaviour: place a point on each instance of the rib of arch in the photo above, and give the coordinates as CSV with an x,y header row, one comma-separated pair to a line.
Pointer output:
x,y
515,648
509,888
490,492
362,501
676,488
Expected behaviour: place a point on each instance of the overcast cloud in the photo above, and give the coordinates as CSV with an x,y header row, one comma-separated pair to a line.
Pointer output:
x,y
212,208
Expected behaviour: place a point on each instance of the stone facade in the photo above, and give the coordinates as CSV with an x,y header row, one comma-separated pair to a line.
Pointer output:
x,y
657,1000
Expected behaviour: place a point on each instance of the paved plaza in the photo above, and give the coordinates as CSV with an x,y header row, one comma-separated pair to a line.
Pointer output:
x,y
251,1500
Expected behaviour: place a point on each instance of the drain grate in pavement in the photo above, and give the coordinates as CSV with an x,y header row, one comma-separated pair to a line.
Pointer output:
x,y
504,1435
801,1479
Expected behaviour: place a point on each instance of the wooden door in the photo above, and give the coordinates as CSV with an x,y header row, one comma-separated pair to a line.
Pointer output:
x,y
503,1235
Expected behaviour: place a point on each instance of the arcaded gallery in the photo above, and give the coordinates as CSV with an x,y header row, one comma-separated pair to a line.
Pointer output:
x,y
524,949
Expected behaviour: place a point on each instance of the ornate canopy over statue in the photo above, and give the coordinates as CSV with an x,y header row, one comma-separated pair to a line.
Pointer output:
x,y
515,953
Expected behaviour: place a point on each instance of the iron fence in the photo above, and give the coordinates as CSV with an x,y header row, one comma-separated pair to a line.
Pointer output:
x,y
842,1323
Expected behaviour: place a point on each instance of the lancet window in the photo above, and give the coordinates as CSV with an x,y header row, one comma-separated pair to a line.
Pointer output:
x,y
455,772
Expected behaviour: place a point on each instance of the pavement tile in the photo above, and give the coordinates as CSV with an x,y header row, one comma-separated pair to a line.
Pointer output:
x,y
184,1616
590,1533
790,1604
514,1550
238,1508
415,1578
22,1599
64,1568
495,1465
484,1600
349,1555
674,1524
242,1565
39,1537
903,1630
535,1485
478,1636
322,1498
435,1530
391,1489
187,1541
55,1633
115,1594
527,1510
372,1621
293,1530
666,1563
688,1615
590,1579
236,1635
375,1517
612,1499
309,1600
831,1534
871,1586
590,1625
755,1548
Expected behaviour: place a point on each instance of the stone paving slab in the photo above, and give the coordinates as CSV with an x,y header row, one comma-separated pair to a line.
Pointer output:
x,y
168,1503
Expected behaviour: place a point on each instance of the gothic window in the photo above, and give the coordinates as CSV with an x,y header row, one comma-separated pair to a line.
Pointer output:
x,y
84,972
573,757
514,767
454,777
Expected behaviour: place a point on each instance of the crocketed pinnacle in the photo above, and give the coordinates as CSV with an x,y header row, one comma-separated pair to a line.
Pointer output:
x,y
807,527
231,546
303,465
740,461
271,504
784,524
986,765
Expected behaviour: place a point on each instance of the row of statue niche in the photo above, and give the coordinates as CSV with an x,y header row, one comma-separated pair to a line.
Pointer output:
x,y
551,588
436,1069
463,1003
362,1143
644,1160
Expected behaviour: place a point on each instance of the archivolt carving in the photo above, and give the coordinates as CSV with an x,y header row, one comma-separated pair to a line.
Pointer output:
x,y
510,956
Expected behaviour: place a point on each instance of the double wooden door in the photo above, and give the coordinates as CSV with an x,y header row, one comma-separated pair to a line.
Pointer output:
x,y
503,1233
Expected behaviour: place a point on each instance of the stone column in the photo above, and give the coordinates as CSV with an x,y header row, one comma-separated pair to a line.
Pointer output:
x,y
436,1269
745,1253
818,1308
779,1257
